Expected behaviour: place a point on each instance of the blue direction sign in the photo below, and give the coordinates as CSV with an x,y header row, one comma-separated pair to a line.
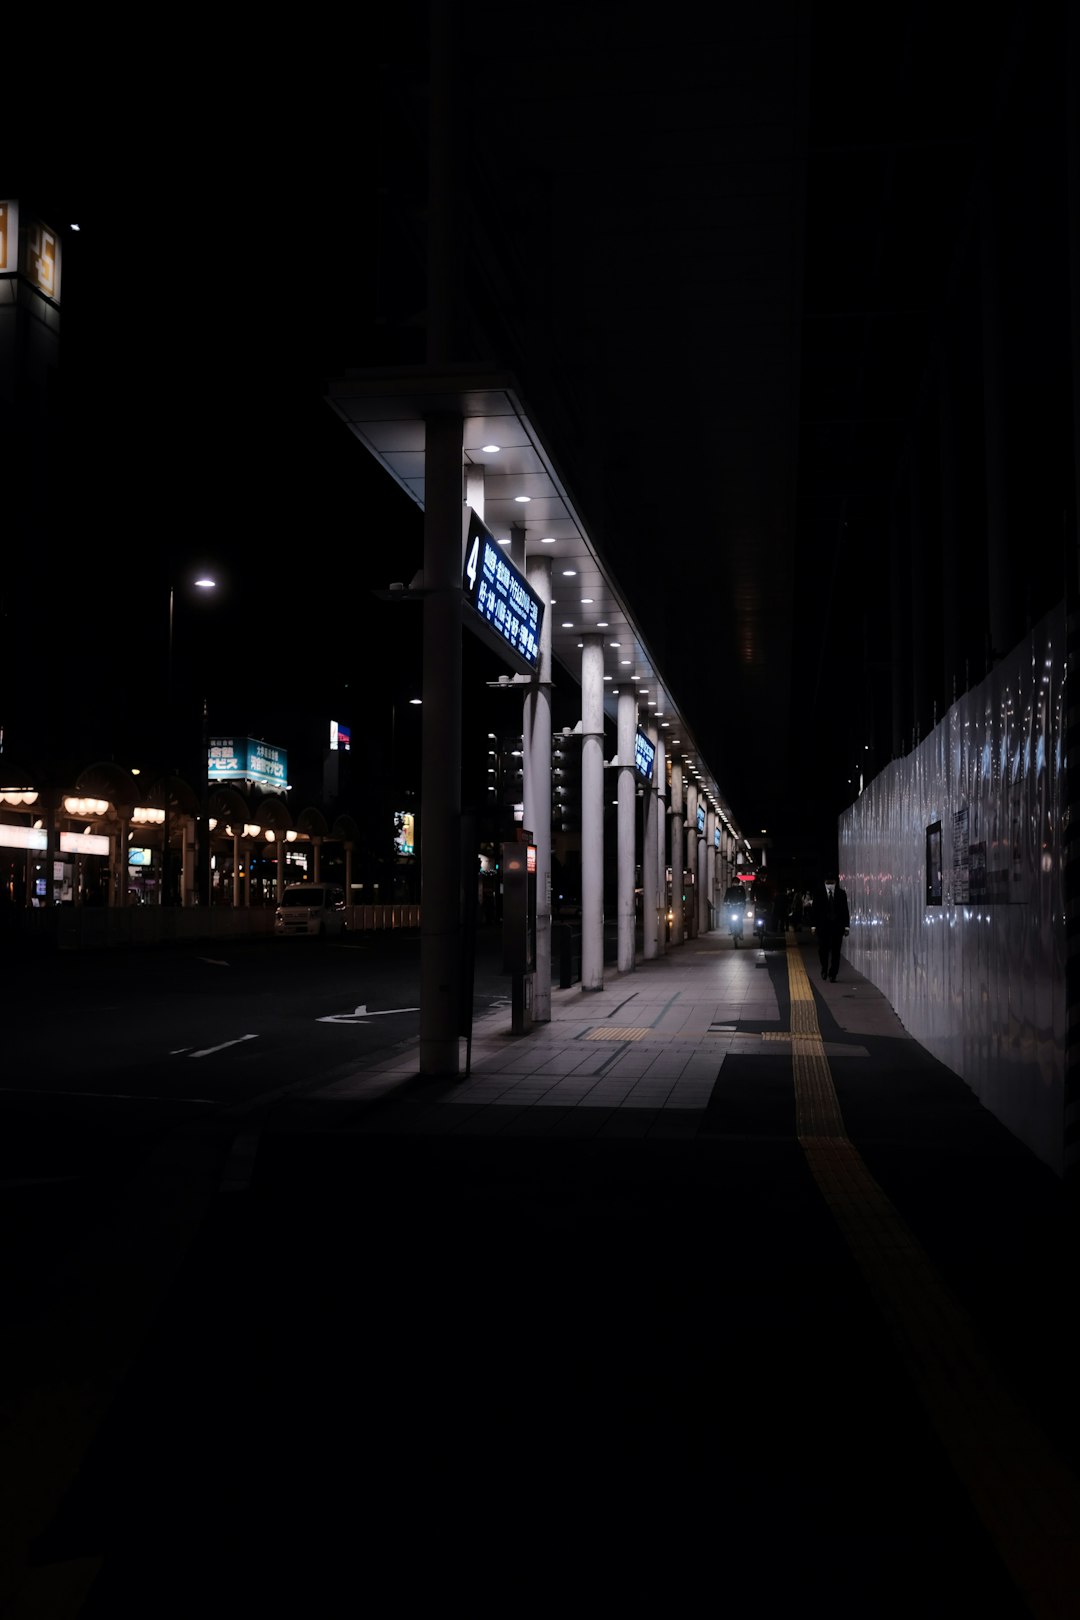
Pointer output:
x,y
504,604
644,755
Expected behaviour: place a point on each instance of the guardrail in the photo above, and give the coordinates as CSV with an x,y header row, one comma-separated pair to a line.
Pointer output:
x,y
85,928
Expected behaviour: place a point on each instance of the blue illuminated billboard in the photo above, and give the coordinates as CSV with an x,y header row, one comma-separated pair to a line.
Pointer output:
x,y
505,608
716,838
644,756
701,818
248,759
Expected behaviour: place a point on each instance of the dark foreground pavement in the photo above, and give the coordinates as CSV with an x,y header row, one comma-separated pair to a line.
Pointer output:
x,y
628,1319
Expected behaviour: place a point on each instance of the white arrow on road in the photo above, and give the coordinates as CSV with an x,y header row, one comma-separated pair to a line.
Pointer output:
x,y
360,1015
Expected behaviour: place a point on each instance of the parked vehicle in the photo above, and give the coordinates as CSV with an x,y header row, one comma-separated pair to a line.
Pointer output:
x,y
312,908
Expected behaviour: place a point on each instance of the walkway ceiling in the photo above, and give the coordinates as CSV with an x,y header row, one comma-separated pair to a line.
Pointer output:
x,y
386,413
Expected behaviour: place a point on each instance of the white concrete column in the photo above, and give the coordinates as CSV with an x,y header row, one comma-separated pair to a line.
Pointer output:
x,y
235,868
279,878
627,786
474,490
650,902
592,814
692,853
536,776
440,860
677,848
702,887
710,867
660,782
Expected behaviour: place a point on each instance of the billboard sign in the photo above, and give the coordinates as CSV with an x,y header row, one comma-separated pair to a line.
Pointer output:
x,y
248,759
340,737
644,756
701,818
503,607
404,832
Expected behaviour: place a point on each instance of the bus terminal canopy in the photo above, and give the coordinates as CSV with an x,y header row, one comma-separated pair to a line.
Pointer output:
x,y
387,412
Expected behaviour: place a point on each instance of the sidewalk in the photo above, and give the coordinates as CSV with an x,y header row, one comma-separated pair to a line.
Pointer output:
x,y
716,1278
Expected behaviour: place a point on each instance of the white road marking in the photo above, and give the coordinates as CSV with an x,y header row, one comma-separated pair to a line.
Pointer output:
x,y
360,1015
206,1050
114,1096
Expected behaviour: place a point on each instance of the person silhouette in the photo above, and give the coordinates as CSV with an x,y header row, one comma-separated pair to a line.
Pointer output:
x,y
830,921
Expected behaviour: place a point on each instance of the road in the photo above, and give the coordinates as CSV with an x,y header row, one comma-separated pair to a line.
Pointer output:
x,y
106,1053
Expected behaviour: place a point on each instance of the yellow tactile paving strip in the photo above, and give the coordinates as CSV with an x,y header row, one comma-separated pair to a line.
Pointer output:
x,y
615,1032
1027,1499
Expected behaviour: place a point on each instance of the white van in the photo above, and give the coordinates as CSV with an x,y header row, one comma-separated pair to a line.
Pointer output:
x,y
311,908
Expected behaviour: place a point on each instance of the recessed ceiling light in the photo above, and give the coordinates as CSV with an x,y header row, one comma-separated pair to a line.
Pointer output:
x,y
502,542
606,677
548,540
626,660
491,449
634,677
586,601
664,724
521,499
568,573
614,643
601,624
567,625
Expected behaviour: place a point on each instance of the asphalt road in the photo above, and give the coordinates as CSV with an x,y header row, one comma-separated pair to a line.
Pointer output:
x,y
105,1054
206,1023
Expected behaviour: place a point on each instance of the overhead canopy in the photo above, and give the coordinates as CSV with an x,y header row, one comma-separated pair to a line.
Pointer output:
x,y
523,487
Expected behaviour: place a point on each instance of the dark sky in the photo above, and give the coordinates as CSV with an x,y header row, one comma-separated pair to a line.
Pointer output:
x,y
730,253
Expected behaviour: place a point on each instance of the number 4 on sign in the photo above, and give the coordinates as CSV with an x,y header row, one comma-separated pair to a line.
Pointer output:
x,y
360,1015
470,566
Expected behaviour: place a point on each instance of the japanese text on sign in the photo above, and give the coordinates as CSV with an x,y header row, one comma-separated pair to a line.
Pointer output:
x,y
501,597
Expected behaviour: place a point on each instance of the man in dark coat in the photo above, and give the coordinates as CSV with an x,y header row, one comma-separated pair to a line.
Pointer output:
x,y
831,921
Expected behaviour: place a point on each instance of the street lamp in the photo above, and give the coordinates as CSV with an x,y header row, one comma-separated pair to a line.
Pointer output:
x,y
202,583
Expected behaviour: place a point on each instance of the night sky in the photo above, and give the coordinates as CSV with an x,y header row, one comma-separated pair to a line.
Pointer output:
x,y
724,253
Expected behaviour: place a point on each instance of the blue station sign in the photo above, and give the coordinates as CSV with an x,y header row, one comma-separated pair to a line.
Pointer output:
x,y
644,755
503,605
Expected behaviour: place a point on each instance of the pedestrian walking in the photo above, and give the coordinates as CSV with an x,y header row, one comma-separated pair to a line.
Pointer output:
x,y
830,921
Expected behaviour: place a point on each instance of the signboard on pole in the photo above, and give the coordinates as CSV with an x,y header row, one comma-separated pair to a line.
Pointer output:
x,y
502,606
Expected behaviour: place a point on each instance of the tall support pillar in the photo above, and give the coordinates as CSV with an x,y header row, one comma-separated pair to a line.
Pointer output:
x,y
660,798
235,869
536,769
650,892
626,838
592,814
440,862
677,856
692,859
710,867
703,894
